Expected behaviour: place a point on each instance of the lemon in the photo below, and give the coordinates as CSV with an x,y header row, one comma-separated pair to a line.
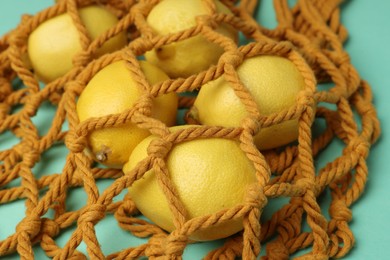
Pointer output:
x,y
186,57
53,44
274,83
209,175
113,90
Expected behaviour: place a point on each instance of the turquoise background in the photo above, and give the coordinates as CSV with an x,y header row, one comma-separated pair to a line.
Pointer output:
x,y
368,23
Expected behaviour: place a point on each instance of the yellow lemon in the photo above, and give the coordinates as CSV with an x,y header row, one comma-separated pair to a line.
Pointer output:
x,y
274,83
113,90
209,175
54,43
186,57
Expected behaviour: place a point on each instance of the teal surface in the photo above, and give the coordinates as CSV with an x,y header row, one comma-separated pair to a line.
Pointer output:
x,y
368,23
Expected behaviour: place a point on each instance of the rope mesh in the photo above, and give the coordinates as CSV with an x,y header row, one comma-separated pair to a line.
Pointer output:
x,y
309,34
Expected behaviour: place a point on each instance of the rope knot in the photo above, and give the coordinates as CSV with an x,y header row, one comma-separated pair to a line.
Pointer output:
x,y
92,214
306,98
82,58
339,211
127,208
155,245
50,227
175,243
255,196
342,59
75,143
251,125
31,157
360,146
305,184
233,58
74,87
31,106
277,250
31,225
159,148
144,105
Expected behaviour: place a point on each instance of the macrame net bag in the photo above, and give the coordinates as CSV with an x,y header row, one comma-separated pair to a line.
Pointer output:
x,y
309,34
